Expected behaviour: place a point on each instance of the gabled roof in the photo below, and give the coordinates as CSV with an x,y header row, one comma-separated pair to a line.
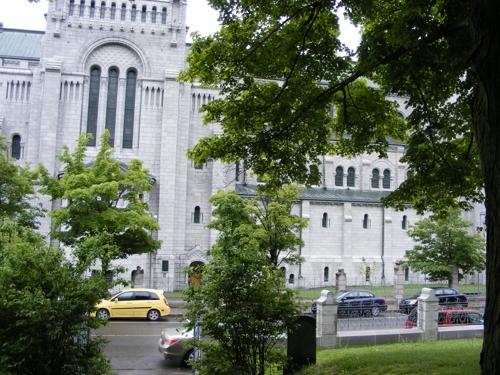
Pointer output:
x,y
20,44
325,194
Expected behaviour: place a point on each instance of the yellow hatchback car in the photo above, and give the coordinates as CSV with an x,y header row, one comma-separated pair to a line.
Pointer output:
x,y
134,303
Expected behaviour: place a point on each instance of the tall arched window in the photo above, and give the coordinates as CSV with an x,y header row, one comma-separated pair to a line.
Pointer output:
x,y
375,179
113,11
365,221
404,224
326,273
350,177
291,278
92,9
339,176
103,10
164,16
72,7
386,182
197,214
153,15
15,150
324,221
124,12
143,13
95,79
133,13
82,8
128,121
111,104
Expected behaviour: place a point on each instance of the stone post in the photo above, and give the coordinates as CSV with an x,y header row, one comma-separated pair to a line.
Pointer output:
x,y
399,280
340,281
428,305
326,320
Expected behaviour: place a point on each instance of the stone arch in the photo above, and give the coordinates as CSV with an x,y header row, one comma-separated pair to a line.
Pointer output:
x,y
143,67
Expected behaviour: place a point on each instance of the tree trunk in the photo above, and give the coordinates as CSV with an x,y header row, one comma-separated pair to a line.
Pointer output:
x,y
453,282
486,119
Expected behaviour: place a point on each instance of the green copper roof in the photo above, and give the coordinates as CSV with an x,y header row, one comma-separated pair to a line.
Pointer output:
x,y
20,44
325,194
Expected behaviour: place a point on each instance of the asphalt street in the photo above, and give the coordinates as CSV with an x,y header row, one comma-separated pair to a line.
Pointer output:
x,y
133,347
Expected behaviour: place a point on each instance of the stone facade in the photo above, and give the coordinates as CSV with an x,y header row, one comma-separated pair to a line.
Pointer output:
x,y
45,103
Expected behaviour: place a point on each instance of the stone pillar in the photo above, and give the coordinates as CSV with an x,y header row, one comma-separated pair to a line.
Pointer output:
x,y
326,320
340,281
428,305
138,277
399,280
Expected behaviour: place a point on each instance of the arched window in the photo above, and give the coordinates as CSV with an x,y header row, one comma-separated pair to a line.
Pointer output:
x,y
143,13
324,221
386,182
365,221
103,10
111,104
196,216
164,16
82,8
153,15
95,79
326,273
113,11
72,7
291,278
350,177
237,171
339,176
407,274
375,179
92,9
128,121
404,224
133,14
368,273
124,12
15,151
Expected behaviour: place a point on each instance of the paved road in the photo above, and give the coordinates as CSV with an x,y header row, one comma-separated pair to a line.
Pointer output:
x,y
133,347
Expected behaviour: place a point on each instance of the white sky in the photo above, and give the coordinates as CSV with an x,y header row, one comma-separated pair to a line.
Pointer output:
x,y
21,14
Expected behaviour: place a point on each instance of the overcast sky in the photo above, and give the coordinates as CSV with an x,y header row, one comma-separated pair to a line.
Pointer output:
x,y
21,14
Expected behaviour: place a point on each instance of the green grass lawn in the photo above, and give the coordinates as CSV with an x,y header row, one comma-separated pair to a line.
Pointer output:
x,y
447,357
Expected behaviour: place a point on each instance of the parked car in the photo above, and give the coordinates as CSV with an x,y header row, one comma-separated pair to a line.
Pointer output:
x,y
449,316
134,303
172,344
355,303
446,296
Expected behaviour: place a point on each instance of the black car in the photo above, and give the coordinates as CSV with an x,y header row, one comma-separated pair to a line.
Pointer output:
x,y
446,296
356,303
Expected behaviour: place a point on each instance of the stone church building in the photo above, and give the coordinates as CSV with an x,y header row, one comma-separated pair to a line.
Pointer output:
x,y
113,65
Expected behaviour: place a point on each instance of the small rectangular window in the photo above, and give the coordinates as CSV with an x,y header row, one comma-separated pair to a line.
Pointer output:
x,y
164,266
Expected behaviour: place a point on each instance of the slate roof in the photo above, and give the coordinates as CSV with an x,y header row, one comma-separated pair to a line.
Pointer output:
x,y
20,44
325,194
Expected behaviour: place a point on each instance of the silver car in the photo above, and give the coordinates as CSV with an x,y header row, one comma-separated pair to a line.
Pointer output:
x,y
172,344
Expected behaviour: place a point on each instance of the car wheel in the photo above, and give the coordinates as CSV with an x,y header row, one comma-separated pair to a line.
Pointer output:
x,y
102,314
189,356
153,315
376,311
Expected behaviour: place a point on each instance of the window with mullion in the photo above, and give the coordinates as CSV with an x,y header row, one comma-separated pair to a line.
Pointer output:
x,y
95,78
111,105
128,121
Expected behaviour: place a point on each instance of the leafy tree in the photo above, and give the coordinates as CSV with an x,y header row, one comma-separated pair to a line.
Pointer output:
x,y
104,219
240,301
17,190
445,250
266,221
281,67
45,304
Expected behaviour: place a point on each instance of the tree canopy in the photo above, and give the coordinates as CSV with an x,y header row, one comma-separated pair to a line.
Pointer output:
x,y
17,190
240,301
445,250
103,218
281,67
